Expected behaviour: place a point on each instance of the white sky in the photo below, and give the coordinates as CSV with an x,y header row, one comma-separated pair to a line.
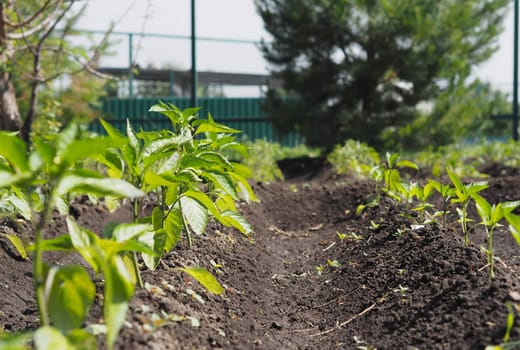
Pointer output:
x,y
232,19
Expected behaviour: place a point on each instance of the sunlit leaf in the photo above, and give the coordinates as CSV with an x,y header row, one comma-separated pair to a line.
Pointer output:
x,y
97,186
195,214
14,151
46,338
69,292
234,219
126,231
17,244
205,278
119,289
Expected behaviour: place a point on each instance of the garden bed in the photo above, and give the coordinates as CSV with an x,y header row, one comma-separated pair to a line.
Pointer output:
x,y
298,284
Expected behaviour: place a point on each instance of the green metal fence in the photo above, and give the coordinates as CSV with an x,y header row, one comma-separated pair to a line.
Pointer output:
x,y
240,113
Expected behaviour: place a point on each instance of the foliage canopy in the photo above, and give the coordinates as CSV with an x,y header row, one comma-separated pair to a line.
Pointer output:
x,y
358,68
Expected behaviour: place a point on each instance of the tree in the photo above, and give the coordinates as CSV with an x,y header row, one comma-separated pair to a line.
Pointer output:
x,y
359,67
34,51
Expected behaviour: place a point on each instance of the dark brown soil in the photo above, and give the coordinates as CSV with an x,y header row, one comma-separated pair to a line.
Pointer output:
x,y
393,288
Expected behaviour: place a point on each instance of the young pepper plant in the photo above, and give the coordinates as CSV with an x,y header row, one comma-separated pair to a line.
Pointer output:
x,y
64,293
463,193
188,173
490,216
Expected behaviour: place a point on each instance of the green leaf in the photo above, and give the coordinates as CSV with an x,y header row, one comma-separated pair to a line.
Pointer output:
x,y
14,341
514,225
111,131
172,228
188,112
171,195
61,243
204,199
205,278
166,143
455,180
84,148
123,232
157,218
222,181
133,141
244,189
8,178
17,244
82,340
75,182
156,241
69,293
195,214
119,289
407,164
211,126
14,151
46,338
234,219
85,242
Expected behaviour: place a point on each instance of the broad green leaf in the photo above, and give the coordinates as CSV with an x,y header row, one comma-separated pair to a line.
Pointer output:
x,y
407,164
111,131
188,112
44,153
483,208
166,143
455,180
244,189
154,180
84,148
119,289
133,141
172,228
61,243
156,241
97,186
204,277
195,214
234,219
242,170
21,206
85,242
69,293
8,178
157,218
510,205
204,199
17,244
225,202
46,338
65,138
123,232
223,182
169,164
514,225
15,341
13,149
82,340
216,158
210,126
171,195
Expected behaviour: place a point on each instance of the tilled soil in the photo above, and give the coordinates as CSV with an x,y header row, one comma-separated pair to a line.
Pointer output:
x,y
296,285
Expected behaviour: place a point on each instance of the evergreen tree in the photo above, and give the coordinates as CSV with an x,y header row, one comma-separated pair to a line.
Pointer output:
x,y
355,68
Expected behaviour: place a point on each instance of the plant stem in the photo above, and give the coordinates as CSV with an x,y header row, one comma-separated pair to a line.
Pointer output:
x,y
137,271
135,213
39,274
491,255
